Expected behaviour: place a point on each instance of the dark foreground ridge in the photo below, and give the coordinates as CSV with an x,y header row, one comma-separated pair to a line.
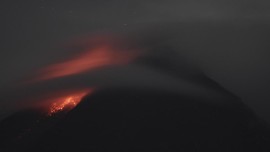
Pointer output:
x,y
143,120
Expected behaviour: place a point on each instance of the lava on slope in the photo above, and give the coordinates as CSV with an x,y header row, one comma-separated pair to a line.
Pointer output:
x,y
67,102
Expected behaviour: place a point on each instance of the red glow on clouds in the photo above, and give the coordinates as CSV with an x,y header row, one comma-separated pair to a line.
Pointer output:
x,y
98,53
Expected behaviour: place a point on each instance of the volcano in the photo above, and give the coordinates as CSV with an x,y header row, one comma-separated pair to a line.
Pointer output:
x,y
107,99
128,119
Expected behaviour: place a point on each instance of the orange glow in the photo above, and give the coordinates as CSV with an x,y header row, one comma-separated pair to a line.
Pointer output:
x,y
97,52
91,57
66,102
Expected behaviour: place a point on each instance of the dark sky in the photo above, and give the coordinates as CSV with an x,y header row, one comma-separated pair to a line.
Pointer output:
x,y
228,39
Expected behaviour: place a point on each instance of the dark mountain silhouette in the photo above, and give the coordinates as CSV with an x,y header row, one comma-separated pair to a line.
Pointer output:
x,y
196,114
128,119
20,130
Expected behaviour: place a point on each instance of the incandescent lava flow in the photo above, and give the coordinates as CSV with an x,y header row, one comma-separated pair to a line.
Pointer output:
x,y
67,102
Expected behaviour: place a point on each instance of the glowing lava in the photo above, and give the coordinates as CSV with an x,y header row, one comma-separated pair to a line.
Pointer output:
x,y
66,102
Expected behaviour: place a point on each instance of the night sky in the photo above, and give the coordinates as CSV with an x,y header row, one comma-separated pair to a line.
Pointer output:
x,y
228,39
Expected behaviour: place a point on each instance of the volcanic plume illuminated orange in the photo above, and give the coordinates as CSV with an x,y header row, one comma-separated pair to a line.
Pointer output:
x,y
91,57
